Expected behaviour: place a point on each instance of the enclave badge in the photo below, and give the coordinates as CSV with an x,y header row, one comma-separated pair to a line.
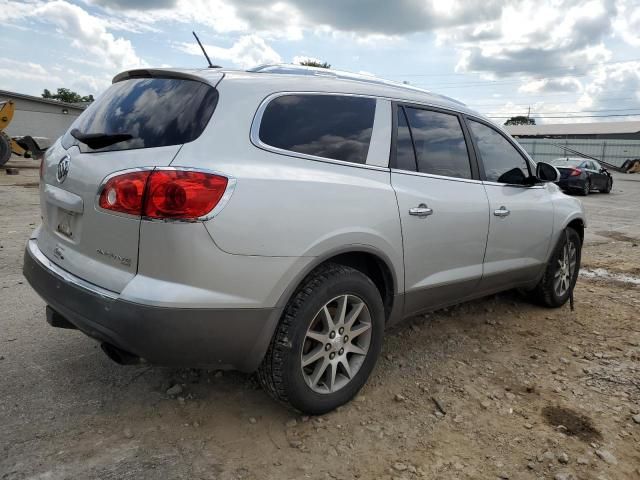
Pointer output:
x,y
63,168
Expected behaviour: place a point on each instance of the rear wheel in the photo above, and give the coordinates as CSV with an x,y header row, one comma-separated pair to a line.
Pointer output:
x,y
5,148
327,342
609,186
586,188
561,272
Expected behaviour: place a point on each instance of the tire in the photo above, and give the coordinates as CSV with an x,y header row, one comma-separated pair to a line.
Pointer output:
x,y
5,148
586,188
609,186
282,374
546,292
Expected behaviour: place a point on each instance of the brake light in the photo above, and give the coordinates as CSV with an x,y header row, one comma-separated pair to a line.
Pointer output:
x,y
171,194
182,194
575,172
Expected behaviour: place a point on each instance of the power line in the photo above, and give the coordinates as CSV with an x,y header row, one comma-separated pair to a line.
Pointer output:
x,y
524,105
581,111
577,116
573,68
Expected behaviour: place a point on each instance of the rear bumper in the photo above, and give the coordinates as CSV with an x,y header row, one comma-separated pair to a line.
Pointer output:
x,y
220,338
571,183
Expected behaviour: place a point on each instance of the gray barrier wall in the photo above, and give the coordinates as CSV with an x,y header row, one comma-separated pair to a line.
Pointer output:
x,y
614,152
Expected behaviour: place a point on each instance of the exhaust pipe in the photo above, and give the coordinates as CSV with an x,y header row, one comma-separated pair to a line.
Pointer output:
x,y
119,356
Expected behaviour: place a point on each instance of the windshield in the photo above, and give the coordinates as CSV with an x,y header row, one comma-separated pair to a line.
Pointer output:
x,y
146,113
567,162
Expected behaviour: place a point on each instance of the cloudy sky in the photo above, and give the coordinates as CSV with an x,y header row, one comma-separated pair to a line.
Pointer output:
x,y
562,58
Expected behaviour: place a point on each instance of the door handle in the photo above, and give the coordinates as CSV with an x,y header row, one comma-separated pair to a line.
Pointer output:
x,y
502,212
421,211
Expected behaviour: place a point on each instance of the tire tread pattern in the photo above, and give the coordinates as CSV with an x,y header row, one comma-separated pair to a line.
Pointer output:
x,y
270,373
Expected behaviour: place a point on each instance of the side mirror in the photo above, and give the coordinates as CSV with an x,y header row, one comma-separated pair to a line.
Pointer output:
x,y
547,173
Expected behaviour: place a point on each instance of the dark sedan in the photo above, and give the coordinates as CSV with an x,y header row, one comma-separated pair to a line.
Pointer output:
x,y
582,175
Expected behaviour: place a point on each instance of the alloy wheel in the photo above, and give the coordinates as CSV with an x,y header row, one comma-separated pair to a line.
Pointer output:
x,y
566,269
336,344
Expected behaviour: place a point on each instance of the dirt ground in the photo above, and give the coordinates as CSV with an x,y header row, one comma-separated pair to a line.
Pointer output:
x,y
497,388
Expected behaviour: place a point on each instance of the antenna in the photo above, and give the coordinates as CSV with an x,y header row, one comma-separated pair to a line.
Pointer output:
x,y
211,65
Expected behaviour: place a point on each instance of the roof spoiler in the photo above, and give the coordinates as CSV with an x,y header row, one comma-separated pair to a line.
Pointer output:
x,y
163,73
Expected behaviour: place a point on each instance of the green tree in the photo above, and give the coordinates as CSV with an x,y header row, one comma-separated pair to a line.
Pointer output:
x,y
66,95
315,63
520,120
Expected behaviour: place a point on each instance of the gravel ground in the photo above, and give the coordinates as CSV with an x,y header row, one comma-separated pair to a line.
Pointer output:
x,y
496,388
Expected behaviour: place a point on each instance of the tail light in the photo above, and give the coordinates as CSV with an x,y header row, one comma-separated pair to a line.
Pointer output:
x,y
165,194
124,193
575,172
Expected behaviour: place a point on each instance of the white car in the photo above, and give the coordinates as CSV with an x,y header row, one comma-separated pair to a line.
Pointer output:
x,y
277,220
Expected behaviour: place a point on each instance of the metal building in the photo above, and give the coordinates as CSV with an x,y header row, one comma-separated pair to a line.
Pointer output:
x,y
40,117
612,142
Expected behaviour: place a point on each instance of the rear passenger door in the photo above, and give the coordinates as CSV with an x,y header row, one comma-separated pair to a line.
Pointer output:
x,y
521,220
443,207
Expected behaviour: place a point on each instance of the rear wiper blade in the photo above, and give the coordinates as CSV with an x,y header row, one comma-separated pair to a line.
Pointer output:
x,y
99,140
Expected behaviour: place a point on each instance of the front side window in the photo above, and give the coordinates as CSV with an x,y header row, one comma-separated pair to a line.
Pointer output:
x,y
502,162
337,127
439,143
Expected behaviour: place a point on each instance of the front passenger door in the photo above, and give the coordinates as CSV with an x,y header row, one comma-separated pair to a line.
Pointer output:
x,y
521,212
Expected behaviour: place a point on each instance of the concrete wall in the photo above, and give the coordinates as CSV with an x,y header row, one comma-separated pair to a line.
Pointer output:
x,y
611,151
40,119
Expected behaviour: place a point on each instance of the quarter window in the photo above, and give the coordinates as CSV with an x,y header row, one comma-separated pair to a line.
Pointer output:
x,y
431,142
405,155
331,126
502,162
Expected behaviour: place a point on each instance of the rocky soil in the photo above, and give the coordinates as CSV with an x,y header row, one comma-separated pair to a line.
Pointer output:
x,y
493,389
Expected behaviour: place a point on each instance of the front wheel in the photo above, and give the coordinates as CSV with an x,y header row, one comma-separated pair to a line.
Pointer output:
x,y
609,186
327,342
561,272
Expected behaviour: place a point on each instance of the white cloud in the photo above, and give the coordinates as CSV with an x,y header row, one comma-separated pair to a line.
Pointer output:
x,y
535,37
90,33
546,85
627,23
12,71
247,51
611,84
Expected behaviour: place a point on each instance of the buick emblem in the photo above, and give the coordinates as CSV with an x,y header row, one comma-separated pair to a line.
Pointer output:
x,y
63,169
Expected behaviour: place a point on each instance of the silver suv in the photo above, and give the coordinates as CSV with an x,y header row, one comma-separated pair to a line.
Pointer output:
x,y
277,220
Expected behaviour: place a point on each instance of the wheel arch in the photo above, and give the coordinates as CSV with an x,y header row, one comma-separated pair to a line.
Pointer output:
x,y
365,258
578,225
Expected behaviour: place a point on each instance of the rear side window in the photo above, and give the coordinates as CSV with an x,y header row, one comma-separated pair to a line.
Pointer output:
x,y
337,127
156,112
502,162
440,148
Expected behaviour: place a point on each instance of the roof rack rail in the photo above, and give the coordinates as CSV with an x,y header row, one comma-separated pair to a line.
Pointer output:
x,y
291,69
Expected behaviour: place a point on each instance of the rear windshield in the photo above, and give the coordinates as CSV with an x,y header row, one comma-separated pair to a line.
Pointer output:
x,y
156,112
567,162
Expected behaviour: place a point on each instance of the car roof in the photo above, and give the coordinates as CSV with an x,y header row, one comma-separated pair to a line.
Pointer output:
x,y
572,159
285,77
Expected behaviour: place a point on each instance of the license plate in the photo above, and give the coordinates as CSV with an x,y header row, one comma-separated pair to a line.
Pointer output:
x,y
64,223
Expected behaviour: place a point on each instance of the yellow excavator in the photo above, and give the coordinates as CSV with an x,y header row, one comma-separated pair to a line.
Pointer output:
x,y
21,146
